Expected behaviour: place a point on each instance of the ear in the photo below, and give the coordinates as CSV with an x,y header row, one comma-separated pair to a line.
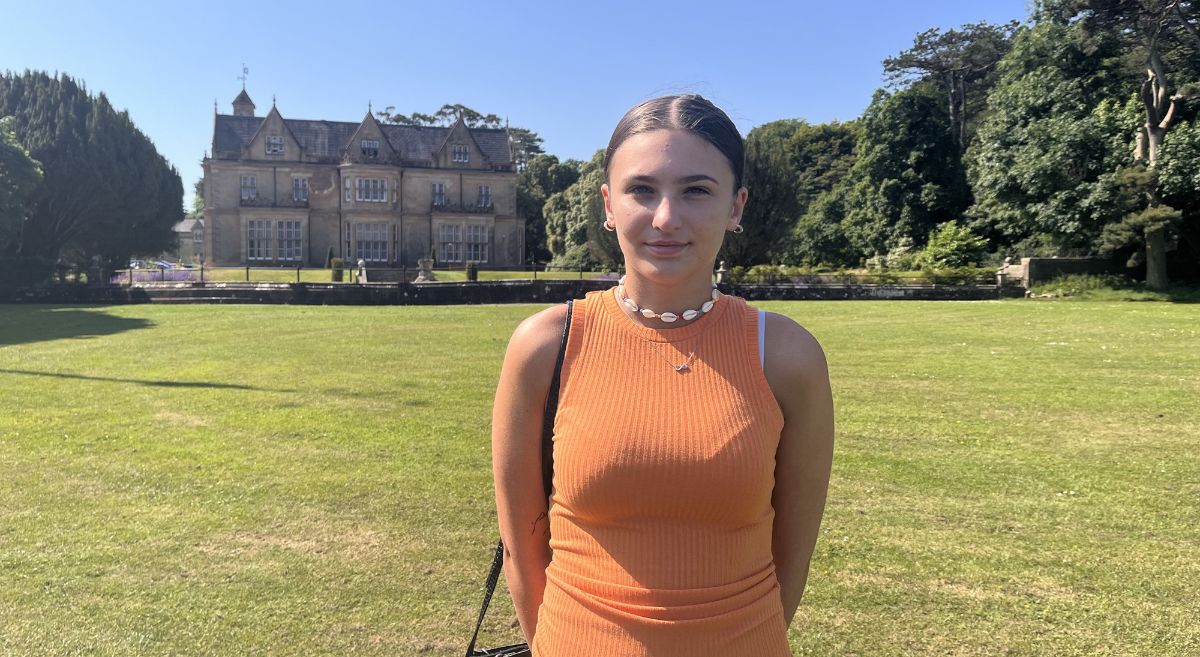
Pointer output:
x,y
739,206
608,211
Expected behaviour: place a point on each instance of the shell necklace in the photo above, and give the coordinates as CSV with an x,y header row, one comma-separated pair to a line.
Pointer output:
x,y
668,317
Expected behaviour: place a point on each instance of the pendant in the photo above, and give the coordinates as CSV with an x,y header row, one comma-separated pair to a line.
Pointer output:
x,y
681,368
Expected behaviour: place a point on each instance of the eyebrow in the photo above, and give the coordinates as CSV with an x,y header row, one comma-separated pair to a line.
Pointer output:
x,y
685,180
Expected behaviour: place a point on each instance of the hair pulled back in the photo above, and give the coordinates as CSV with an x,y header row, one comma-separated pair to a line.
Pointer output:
x,y
690,112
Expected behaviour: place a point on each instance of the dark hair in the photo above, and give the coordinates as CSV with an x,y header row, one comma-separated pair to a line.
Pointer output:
x,y
693,113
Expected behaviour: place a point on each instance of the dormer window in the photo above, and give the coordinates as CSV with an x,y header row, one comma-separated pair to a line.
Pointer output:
x,y
275,145
462,153
369,148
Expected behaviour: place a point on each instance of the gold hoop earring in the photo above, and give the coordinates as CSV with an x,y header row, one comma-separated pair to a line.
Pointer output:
x,y
737,230
609,227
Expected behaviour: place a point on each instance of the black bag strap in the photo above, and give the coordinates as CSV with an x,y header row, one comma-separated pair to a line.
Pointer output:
x,y
551,410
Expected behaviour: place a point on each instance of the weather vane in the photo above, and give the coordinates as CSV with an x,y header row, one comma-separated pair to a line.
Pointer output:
x,y
242,77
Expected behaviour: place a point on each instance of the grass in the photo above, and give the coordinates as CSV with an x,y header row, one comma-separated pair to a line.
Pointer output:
x,y
1012,478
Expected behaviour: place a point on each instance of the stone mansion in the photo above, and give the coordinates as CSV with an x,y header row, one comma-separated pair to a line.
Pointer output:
x,y
287,192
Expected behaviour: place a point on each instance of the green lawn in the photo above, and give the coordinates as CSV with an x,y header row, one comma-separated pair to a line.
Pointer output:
x,y
1012,478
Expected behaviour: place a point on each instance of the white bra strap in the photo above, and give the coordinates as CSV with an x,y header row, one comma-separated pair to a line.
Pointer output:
x,y
762,338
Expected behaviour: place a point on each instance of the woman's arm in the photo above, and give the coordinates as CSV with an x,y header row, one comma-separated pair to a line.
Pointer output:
x,y
521,503
799,377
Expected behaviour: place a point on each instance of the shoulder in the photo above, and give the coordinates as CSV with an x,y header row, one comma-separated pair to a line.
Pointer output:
x,y
794,357
799,378
533,348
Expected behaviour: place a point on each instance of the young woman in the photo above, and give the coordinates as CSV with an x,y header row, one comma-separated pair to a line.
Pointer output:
x,y
694,434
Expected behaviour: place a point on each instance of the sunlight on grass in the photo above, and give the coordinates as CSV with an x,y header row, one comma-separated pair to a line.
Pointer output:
x,y
1011,478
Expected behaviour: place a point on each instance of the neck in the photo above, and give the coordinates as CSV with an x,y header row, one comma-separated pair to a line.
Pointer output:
x,y
660,297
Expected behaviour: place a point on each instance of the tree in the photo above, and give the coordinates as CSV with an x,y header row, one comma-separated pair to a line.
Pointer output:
x,y
1043,163
773,205
821,156
574,222
543,177
19,175
1155,31
1178,173
446,115
198,196
959,63
818,237
106,193
908,176
526,144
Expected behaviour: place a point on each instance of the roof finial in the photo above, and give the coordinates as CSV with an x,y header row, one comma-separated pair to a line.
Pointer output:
x,y
242,77
214,105
272,101
368,106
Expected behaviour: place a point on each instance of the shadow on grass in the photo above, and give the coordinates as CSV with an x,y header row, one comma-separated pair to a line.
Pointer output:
x,y
25,324
146,382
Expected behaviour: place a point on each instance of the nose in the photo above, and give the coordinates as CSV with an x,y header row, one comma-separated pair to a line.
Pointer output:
x,y
666,215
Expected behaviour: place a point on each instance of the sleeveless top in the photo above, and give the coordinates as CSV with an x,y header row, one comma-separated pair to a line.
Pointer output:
x,y
661,517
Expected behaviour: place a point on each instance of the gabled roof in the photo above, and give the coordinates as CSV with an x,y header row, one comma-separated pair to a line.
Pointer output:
x,y
460,124
274,112
187,224
357,134
329,139
243,98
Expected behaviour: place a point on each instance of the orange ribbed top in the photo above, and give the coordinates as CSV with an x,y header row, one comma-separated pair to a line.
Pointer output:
x,y
661,518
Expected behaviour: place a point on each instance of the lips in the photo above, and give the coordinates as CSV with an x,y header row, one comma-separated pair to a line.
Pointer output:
x,y
666,248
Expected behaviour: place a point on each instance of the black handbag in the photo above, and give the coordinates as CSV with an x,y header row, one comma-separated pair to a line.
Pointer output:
x,y
522,649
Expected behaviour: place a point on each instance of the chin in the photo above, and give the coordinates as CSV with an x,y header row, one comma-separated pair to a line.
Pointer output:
x,y
666,271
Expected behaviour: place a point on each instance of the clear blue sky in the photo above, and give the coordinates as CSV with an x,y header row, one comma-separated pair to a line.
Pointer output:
x,y
566,70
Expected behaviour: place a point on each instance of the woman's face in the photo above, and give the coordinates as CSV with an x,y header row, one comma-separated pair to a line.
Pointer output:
x,y
670,195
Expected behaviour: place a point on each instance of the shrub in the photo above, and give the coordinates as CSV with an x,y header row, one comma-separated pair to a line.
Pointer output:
x,y
886,277
956,275
952,246
336,272
901,256
766,274
19,271
1076,284
472,269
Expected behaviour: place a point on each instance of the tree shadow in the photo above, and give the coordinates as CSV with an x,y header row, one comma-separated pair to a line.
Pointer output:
x,y
25,324
162,383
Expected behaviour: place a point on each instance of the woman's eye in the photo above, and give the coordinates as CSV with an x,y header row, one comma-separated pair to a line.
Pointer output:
x,y
696,190
639,189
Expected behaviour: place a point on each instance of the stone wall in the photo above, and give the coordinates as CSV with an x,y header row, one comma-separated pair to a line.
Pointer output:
x,y
1033,271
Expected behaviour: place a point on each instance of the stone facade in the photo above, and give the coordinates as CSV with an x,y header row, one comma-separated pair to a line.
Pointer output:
x,y
189,242
288,192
